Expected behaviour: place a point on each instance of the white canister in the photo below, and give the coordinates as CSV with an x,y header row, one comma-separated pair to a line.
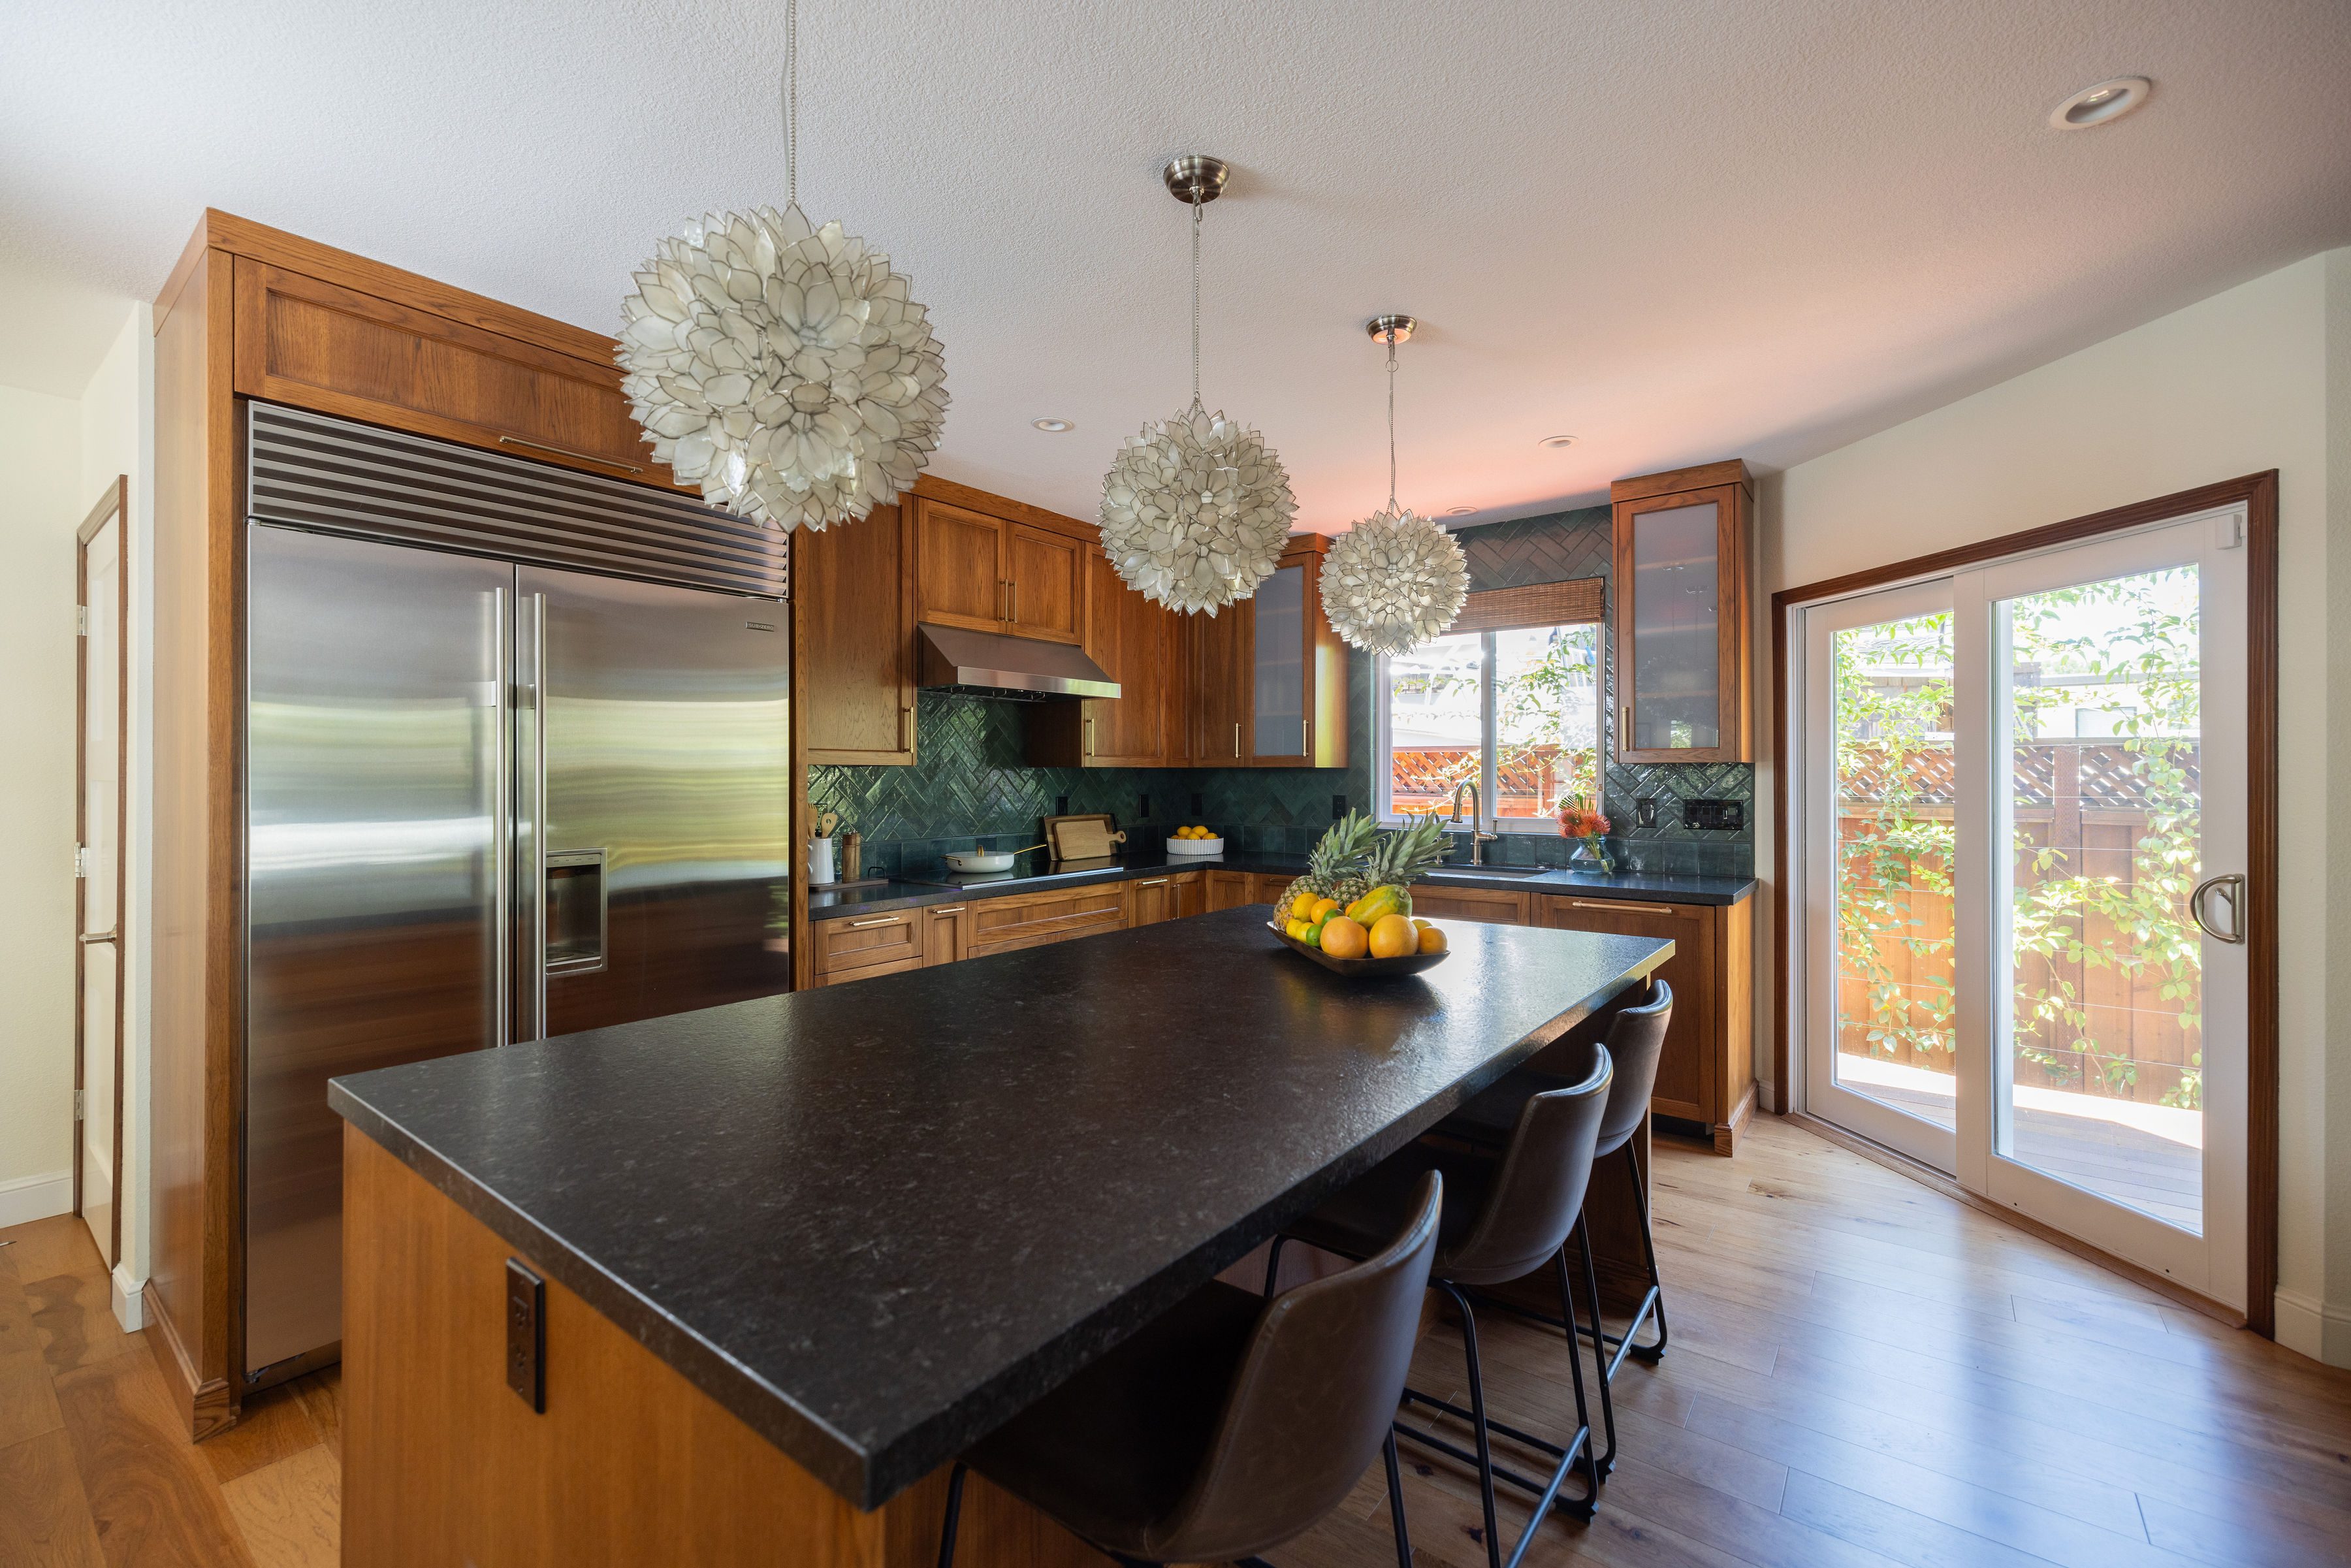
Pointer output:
x,y
819,861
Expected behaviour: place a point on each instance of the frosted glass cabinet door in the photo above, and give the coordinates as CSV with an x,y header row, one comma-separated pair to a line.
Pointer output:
x,y
1681,627
1277,717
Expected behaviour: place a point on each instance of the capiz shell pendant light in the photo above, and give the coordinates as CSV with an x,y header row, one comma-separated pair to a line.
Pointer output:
x,y
1197,508
782,366
1395,580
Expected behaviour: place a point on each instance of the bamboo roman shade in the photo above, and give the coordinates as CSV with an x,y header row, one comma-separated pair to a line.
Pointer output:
x,y
1579,599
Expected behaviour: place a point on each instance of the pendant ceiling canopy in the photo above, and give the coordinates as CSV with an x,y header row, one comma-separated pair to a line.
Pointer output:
x,y
1395,580
779,364
1195,509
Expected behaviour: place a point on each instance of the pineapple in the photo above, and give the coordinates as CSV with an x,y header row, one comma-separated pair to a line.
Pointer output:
x,y
1396,861
1336,860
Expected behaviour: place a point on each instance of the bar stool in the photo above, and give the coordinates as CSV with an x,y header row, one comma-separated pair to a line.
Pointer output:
x,y
1636,1038
1230,1424
1506,1219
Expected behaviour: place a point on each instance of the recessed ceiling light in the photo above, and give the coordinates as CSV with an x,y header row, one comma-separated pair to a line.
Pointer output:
x,y
1052,426
1556,442
2096,105
1459,511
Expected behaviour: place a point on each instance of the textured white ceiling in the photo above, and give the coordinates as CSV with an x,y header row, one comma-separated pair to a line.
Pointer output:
x,y
1678,232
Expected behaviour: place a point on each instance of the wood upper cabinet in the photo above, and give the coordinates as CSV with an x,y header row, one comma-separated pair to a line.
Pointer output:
x,y
853,601
1682,615
998,574
312,343
1045,576
1269,675
1135,641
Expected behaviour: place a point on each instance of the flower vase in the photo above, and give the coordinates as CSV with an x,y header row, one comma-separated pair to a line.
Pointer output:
x,y
1592,852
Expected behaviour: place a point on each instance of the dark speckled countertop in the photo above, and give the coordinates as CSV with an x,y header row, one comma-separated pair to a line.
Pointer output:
x,y
824,905
877,1221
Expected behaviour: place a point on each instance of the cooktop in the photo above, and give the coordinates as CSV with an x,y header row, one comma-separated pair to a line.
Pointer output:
x,y
1023,870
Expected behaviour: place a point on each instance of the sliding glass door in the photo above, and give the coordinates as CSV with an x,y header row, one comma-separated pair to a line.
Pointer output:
x,y
2024,798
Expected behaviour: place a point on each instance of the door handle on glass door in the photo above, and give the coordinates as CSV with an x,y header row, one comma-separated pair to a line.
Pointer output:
x,y
2232,888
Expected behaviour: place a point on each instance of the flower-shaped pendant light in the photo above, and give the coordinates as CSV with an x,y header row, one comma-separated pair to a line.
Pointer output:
x,y
1395,580
782,366
1197,508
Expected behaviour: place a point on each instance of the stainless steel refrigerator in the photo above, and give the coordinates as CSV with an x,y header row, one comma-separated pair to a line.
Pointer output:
x,y
486,802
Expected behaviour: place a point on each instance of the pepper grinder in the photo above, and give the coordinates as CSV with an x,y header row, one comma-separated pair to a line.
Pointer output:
x,y
852,845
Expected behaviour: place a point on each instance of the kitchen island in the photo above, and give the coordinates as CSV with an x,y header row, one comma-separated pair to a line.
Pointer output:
x,y
799,1252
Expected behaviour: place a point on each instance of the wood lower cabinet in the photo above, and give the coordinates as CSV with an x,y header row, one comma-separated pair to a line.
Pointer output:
x,y
853,603
1706,1072
1169,897
946,936
1032,920
1494,905
1228,890
859,946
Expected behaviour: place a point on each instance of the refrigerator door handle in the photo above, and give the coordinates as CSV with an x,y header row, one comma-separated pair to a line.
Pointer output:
x,y
538,808
502,720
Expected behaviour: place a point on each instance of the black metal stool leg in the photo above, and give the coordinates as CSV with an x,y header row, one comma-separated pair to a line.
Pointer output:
x,y
1652,1353
1396,1504
1273,1266
1477,1424
955,1515
1606,1462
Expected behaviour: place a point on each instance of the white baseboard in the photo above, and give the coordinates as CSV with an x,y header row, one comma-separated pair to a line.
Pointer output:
x,y
2317,1330
129,1300
27,1198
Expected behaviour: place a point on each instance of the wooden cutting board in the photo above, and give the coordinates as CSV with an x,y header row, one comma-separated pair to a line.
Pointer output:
x,y
1092,836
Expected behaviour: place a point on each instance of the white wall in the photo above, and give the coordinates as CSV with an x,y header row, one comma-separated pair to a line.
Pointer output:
x,y
2255,377
41,504
117,437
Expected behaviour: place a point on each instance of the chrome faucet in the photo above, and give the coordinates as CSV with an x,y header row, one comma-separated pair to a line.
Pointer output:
x,y
1477,840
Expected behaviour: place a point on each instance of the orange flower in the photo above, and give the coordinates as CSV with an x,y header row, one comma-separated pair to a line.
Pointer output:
x,y
1580,819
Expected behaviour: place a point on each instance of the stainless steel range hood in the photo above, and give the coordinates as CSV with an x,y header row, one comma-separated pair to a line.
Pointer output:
x,y
993,665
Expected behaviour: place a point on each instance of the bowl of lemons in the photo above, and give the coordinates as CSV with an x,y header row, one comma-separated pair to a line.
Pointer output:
x,y
1196,841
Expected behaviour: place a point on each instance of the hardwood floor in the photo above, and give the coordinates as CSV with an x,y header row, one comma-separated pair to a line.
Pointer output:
x,y
96,1468
1863,1373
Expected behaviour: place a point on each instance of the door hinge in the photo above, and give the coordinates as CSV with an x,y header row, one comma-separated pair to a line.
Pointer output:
x,y
2232,532
81,620
82,862
78,1105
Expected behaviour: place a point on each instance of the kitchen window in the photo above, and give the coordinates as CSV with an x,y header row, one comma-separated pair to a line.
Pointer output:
x,y
1512,708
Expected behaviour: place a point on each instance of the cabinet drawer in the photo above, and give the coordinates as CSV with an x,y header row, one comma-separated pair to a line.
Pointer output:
x,y
1001,924
317,345
1494,905
895,966
860,942
1686,1068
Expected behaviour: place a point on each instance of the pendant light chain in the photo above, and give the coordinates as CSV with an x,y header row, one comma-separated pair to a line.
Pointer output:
x,y
792,102
1196,299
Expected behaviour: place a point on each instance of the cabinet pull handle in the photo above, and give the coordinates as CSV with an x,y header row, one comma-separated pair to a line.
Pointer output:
x,y
1624,729
1236,737
566,452
1619,905
1090,735
1155,882
1012,600
880,920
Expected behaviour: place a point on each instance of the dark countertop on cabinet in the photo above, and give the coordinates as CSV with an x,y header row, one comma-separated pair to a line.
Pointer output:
x,y
877,1221
902,895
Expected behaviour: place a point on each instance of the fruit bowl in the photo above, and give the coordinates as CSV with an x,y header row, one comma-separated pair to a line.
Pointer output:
x,y
1196,846
1356,968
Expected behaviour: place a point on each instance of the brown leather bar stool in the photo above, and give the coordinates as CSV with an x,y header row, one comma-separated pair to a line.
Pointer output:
x,y
1504,1219
1230,1424
1636,1038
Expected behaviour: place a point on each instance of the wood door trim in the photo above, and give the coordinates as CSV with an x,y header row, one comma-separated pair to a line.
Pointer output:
x,y
2258,494
113,506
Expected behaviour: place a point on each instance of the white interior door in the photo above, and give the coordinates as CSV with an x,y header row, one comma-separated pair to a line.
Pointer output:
x,y
99,1008
2022,858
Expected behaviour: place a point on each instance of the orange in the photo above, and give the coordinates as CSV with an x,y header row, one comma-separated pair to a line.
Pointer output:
x,y
1322,906
1432,940
1391,936
1342,939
